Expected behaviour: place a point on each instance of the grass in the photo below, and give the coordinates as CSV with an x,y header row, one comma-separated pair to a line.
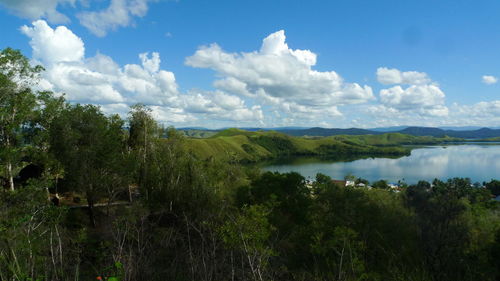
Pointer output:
x,y
246,146
497,139
391,139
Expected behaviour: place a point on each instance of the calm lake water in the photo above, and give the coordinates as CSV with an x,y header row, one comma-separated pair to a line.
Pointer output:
x,y
480,162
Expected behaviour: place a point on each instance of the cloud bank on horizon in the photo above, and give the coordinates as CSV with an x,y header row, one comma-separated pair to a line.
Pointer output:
x,y
274,85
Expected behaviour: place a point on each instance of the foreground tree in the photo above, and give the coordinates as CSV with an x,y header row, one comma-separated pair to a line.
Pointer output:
x,y
90,147
455,227
494,187
17,106
32,241
143,135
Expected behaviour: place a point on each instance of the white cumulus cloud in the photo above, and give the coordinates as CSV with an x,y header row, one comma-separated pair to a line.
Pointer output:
x,y
415,96
218,105
389,76
485,113
421,96
36,9
100,80
54,45
489,80
480,111
281,77
119,13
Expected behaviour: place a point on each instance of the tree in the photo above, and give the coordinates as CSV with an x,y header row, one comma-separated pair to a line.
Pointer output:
x,y
32,243
37,135
350,177
362,180
381,184
17,105
494,187
443,231
249,231
143,132
90,147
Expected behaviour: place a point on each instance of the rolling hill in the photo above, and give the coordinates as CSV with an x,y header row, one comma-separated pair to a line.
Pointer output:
x,y
481,133
247,146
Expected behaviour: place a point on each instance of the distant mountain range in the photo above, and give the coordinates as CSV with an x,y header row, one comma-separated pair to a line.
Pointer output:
x,y
414,131
452,128
458,132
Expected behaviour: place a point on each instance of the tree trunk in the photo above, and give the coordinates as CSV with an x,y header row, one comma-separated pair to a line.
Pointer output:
x,y
91,212
10,175
91,215
9,164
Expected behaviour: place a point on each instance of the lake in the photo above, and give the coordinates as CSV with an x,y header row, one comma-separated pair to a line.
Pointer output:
x,y
480,162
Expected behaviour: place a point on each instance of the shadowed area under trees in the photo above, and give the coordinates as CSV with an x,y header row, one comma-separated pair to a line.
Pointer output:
x,y
135,203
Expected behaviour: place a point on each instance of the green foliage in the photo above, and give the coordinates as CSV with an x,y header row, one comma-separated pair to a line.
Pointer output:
x,y
494,187
17,107
90,147
246,146
362,180
368,216
14,66
193,133
382,184
391,139
338,255
250,228
286,192
30,233
250,232
446,219
277,145
143,129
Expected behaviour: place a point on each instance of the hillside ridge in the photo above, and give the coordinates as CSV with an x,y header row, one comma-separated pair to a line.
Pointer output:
x,y
481,133
246,146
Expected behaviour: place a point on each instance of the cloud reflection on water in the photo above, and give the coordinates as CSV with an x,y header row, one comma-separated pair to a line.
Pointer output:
x,y
478,162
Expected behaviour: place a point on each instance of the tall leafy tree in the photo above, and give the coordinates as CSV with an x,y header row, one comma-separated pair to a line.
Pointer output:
x,y
90,147
494,187
443,230
17,106
143,134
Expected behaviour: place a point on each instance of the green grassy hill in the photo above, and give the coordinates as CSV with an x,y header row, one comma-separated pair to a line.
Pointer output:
x,y
193,133
246,146
489,140
392,139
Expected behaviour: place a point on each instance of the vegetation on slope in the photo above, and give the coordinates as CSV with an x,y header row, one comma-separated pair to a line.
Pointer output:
x,y
497,139
246,146
393,139
325,132
197,133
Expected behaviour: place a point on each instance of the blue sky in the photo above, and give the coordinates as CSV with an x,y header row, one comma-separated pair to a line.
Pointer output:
x,y
269,63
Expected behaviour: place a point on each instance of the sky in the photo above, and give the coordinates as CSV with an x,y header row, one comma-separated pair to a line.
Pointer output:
x,y
268,63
